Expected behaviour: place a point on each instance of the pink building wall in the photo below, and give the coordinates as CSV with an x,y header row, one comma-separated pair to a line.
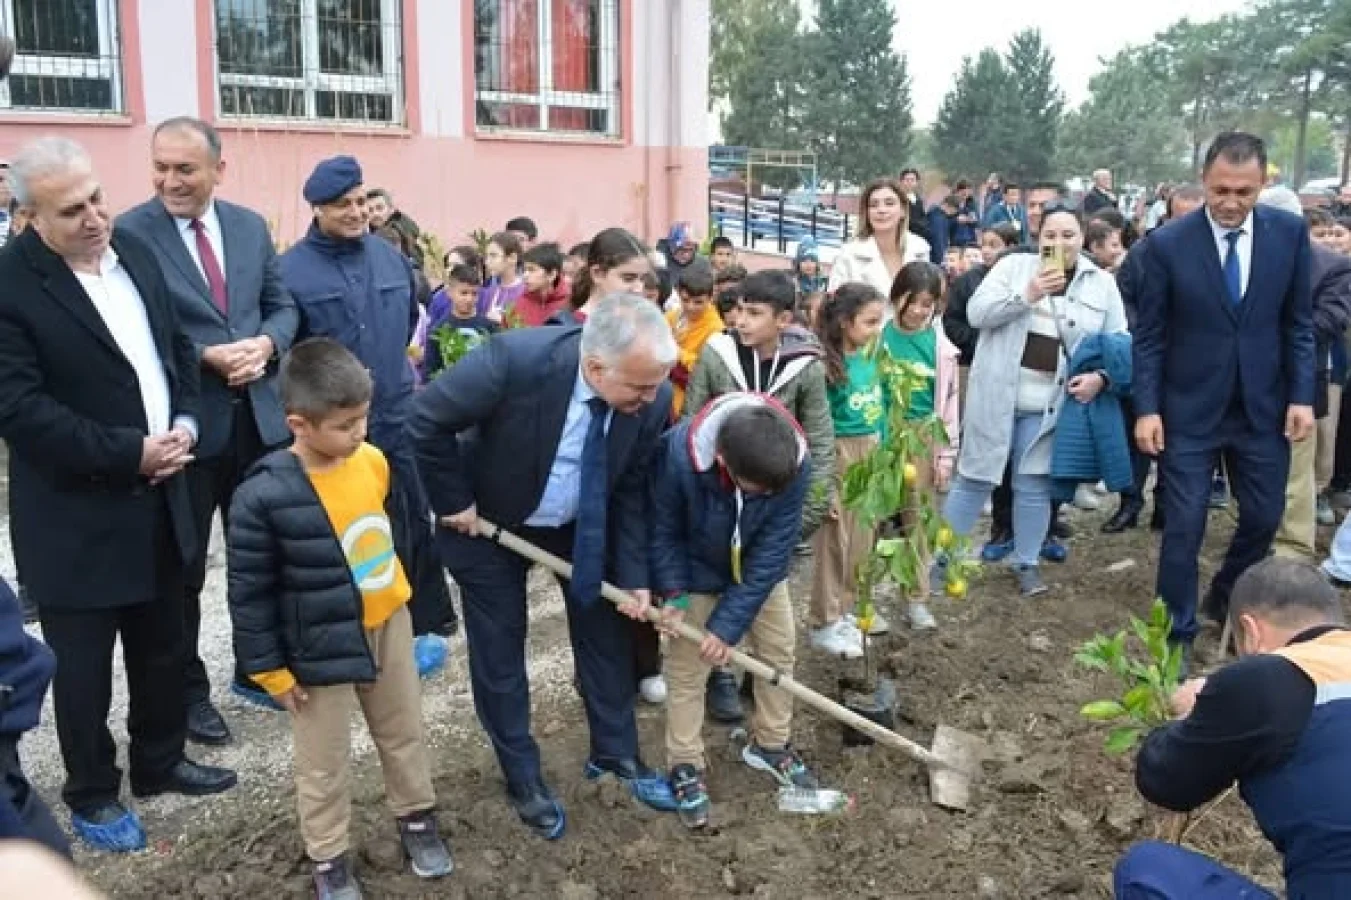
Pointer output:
x,y
441,172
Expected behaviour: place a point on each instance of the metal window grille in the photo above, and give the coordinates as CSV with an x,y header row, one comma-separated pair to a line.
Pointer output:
x,y
547,66
68,56
318,60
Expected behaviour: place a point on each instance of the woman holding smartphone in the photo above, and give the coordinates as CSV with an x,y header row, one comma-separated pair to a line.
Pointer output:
x,y
1031,312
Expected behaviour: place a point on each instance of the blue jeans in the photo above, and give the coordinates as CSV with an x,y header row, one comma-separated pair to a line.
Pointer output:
x,y
1153,870
1031,497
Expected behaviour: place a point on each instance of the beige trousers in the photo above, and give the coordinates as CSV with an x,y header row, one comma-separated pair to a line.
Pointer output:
x,y
1295,537
840,544
1325,456
392,707
771,638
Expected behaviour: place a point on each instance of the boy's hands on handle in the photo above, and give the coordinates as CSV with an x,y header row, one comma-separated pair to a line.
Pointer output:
x,y
465,521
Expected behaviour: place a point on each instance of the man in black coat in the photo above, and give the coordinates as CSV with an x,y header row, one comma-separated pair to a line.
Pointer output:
x,y
551,433
98,403
221,270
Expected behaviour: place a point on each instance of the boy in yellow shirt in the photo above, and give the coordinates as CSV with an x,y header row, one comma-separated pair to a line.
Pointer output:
x,y
318,599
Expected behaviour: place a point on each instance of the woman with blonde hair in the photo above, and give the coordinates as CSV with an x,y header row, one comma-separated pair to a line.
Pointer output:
x,y
884,242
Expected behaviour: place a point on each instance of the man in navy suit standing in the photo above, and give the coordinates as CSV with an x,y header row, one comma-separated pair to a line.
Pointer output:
x,y
551,433
1224,369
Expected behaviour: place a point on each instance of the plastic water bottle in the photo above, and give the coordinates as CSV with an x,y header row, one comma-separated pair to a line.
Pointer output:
x,y
814,801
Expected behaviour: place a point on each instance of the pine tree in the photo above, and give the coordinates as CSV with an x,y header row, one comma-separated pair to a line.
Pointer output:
x,y
965,133
858,93
1034,109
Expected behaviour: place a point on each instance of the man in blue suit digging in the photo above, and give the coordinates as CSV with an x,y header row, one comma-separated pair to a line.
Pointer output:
x,y
1224,369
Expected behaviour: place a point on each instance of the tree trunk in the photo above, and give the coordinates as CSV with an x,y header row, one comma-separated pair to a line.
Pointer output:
x,y
1346,151
1196,137
1302,131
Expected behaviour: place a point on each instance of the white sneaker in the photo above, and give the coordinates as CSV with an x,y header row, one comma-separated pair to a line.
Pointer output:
x,y
838,639
879,626
653,689
921,619
1101,489
1086,498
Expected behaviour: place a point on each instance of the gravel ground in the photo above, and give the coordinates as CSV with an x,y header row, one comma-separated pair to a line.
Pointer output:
x,y
261,752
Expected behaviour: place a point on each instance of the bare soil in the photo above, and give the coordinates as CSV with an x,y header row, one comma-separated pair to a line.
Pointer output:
x,y
1048,818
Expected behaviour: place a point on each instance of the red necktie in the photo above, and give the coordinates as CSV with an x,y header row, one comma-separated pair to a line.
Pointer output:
x,y
215,280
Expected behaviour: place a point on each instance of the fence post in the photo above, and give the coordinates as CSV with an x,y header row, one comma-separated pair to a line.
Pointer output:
x,y
747,233
814,220
783,244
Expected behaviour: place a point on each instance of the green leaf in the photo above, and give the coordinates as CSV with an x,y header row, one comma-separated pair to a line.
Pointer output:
x,y
1102,710
1121,739
1137,700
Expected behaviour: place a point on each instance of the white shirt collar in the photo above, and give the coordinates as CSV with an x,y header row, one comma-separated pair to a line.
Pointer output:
x,y
107,262
1220,231
209,219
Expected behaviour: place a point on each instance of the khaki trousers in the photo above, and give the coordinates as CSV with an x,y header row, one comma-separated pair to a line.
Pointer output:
x,y
392,707
1325,456
771,638
1295,537
840,544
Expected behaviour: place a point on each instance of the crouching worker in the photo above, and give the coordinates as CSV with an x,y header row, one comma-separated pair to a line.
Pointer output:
x,y
319,603
727,507
1278,722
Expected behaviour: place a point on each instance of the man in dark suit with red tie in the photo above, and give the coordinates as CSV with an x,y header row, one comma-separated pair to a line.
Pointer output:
x,y
1224,369
221,270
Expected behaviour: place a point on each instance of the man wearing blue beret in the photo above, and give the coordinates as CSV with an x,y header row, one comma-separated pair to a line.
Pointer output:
x,y
355,288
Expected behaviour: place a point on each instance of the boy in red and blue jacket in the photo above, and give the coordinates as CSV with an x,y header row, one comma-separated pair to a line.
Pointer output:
x,y
727,505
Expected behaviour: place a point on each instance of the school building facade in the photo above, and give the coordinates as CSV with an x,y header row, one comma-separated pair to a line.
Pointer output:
x,y
579,113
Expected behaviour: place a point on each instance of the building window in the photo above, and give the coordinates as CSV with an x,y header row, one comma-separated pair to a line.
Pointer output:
x,y
68,56
547,65
329,60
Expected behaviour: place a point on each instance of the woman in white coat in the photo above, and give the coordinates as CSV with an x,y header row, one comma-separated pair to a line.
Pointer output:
x,y
1031,319
884,243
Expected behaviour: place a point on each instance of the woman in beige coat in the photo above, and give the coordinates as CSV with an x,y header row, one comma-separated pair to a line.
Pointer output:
x,y
884,242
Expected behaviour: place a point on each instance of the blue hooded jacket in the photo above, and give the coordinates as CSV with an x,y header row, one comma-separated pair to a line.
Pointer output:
x,y
26,668
695,521
1091,443
808,284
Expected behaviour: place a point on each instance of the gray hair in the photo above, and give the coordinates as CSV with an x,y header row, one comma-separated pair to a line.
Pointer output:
x,y
1278,196
1286,592
187,123
43,157
619,322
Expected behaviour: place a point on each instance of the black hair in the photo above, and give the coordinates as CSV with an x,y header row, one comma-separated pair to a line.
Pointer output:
x,y
464,275
1111,216
961,185
580,250
1318,218
548,257
509,243
611,248
467,252
696,279
1192,192
728,298
909,171
1099,230
757,443
664,284
772,287
1060,208
320,376
1046,186
204,130
1008,233
1237,147
836,312
915,278
1011,186
524,225
735,272
721,241
1287,592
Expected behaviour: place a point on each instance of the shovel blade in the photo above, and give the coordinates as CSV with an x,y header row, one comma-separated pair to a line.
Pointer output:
x,y
950,788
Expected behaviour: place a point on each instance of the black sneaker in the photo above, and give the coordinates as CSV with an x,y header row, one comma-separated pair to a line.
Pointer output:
x,y
785,765
333,880
723,699
687,783
427,853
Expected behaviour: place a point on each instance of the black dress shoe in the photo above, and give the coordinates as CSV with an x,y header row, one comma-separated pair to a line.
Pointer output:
x,y
1126,517
1214,608
206,726
723,698
190,779
538,809
1061,530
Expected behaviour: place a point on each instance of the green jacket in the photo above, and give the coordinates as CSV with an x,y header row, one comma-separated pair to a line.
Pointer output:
x,y
799,383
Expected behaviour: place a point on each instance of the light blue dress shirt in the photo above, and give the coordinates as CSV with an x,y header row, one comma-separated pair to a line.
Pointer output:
x,y
558,506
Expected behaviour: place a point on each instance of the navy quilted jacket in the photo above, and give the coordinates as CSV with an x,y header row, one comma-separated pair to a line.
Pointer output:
x,y
1091,443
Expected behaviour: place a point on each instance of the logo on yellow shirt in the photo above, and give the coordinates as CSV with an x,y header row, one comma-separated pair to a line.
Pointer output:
x,y
369,547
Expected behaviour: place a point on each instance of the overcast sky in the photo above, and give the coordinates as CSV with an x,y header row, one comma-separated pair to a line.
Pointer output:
x,y
936,34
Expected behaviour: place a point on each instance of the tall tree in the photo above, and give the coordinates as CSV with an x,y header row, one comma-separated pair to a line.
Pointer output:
x,y
1126,125
967,134
1035,108
858,111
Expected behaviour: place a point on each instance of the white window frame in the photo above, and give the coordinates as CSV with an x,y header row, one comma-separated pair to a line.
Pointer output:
x,y
107,67
314,81
546,97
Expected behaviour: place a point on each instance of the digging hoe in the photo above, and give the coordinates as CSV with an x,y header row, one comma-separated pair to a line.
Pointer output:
x,y
955,755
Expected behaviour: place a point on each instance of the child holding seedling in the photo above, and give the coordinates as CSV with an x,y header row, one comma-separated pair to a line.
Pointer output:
x,y
727,506
848,326
461,315
914,336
